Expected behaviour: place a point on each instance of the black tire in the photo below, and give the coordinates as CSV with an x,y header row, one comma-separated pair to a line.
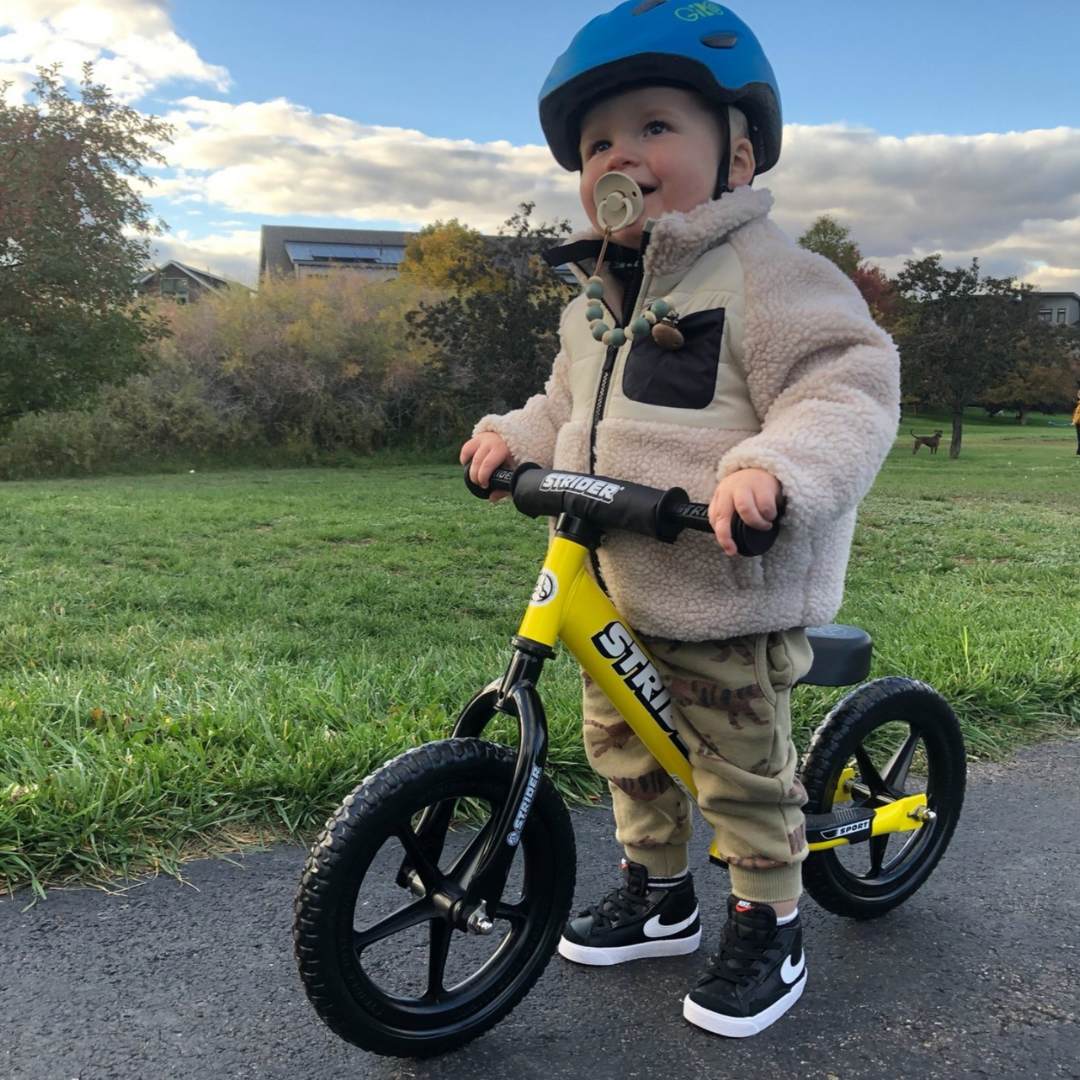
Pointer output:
x,y
879,724
359,852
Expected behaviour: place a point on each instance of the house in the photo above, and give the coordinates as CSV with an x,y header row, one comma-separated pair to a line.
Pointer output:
x,y
1059,308
180,282
301,251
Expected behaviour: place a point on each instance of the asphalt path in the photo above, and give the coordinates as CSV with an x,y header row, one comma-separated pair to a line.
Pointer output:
x,y
978,975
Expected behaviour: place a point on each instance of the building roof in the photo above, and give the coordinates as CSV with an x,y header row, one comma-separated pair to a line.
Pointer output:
x,y
1057,295
275,257
203,277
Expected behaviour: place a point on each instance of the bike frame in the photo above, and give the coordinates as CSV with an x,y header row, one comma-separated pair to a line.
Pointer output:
x,y
568,605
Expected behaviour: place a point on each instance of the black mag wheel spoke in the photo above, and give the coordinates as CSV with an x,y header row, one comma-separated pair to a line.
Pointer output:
x,y
465,864
878,846
515,913
441,933
406,917
868,771
896,772
429,873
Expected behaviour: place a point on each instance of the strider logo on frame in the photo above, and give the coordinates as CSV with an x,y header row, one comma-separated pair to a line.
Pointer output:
x,y
641,678
589,486
547,588
514,837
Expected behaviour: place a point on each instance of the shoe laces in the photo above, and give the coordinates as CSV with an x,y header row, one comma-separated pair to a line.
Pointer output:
x,y
743,952
618,905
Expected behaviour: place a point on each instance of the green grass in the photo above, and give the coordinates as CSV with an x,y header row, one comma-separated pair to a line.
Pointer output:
x,y
191,662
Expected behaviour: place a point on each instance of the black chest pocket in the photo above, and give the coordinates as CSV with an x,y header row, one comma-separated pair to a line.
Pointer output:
x,y
680,378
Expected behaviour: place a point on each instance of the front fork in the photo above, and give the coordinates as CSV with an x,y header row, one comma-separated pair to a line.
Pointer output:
x,y
486,872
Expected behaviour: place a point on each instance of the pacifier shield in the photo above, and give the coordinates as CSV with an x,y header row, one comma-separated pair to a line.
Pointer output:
x,y
619,201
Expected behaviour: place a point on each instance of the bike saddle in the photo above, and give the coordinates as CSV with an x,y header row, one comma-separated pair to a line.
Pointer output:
x,y
841,655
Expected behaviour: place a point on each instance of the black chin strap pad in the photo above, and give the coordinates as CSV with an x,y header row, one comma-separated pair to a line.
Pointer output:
x,y
725,153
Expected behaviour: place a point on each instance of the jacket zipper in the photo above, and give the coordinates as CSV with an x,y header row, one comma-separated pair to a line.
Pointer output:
x,y
602,389
604,386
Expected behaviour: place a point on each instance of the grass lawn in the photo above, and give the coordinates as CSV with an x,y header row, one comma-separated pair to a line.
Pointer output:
x,y
193,661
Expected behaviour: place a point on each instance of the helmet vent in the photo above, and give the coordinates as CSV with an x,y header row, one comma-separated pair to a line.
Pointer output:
x,y
720,41
647,5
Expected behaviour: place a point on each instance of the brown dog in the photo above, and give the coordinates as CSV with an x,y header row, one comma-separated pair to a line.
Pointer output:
x,y
927,440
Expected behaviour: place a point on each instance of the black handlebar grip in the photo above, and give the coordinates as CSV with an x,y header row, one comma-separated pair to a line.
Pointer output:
x,y
753,542
501,480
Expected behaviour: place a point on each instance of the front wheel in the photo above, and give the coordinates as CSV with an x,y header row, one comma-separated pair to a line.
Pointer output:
x,y
887,739
381,962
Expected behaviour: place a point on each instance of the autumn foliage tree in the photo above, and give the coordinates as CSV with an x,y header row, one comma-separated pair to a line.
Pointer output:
x,y
827,237
447,255
494,337
74,235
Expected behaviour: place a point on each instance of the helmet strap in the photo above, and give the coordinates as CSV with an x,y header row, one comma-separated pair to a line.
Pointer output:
x,y
725,154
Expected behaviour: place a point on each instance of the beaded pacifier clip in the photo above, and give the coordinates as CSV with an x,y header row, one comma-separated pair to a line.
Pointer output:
x,y
619,203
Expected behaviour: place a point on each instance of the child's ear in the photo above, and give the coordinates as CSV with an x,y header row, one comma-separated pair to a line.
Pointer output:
x,y
743,164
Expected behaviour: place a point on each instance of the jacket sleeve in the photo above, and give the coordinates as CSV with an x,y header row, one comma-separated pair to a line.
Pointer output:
x,y
530,431
823,377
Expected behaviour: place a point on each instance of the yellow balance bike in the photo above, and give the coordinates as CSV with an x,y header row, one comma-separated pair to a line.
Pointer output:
x,y
434,897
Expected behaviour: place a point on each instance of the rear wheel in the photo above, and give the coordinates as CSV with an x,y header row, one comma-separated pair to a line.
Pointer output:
x,y
888,739
380,960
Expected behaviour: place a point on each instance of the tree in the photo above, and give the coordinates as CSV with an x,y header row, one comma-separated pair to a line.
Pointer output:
x,y
446,255
1045,376
829,238
74,235
959,333
879,292
493,344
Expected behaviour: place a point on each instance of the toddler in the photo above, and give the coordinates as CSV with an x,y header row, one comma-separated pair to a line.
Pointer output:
x,y
769,377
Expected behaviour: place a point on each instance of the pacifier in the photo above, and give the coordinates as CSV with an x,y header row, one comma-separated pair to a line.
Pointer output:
x,y
619,201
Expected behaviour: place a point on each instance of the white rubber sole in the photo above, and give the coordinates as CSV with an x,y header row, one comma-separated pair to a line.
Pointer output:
x,y
740,1027
584,954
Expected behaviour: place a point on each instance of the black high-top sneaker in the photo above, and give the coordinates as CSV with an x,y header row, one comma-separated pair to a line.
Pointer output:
x,y
635,921
758,974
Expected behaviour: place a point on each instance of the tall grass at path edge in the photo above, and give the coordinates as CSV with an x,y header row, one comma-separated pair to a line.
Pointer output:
x,y
197,661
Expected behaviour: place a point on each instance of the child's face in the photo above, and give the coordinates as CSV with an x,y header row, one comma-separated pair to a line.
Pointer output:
x,y
660,136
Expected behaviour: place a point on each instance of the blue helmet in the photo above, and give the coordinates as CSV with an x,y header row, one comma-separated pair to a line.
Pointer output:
x,y
702,46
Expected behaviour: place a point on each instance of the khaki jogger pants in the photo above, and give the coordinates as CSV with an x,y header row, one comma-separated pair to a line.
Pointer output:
x,y
731,708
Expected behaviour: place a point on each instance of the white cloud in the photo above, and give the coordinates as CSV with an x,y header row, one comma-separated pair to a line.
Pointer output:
x,y
131,43
1013,199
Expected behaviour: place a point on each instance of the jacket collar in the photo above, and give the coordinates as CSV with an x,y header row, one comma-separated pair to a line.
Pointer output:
x,y
678,239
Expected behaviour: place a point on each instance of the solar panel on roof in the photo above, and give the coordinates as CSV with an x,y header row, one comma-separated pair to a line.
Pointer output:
x,y
303,251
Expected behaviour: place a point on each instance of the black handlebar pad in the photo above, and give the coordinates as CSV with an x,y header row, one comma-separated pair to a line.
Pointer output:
x,y
617,504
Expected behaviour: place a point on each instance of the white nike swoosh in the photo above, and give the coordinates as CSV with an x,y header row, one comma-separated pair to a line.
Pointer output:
x,y
655,928
790,972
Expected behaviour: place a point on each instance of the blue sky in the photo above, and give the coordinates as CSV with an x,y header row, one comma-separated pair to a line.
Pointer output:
x,y
949,126
472,69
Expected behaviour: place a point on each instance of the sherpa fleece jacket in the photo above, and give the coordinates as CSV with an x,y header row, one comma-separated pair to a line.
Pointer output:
x,y
783,369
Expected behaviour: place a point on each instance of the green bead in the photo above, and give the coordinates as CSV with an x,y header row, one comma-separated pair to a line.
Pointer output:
x,y
599,329
594,288
594,310
614,337
660,308
640,327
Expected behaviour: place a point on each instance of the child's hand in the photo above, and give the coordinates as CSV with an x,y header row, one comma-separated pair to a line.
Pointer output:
x,y
753,492
487,451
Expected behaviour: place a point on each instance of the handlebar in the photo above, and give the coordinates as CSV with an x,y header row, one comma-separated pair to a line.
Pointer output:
x,y
618,504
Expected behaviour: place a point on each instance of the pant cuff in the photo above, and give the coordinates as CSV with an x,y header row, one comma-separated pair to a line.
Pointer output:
x,y
660,861
767,886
